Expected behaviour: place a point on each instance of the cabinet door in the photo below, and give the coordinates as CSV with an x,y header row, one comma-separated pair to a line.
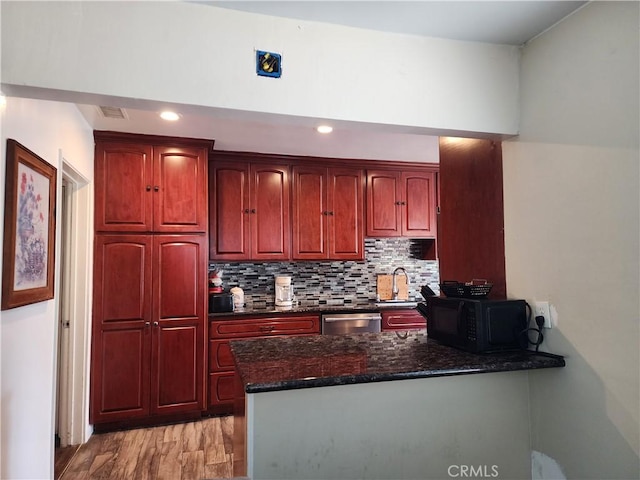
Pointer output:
x,y
471,236
179,286
180,190
310,213
383,204
345,220
121,345
418,204
269,212
402,320
229,211
124,187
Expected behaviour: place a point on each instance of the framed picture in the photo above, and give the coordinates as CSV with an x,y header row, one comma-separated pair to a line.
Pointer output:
x,y
29,228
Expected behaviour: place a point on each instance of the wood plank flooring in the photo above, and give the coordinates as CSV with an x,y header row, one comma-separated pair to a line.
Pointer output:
x,y
186,451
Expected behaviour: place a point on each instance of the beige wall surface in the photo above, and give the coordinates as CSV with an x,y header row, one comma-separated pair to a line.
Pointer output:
x,y
28,335
192,54
571,196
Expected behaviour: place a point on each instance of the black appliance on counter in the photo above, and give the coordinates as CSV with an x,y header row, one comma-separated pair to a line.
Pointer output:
x,y
220,302
476,325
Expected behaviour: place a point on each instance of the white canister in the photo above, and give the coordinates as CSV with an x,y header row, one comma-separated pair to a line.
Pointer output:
x,y
238,297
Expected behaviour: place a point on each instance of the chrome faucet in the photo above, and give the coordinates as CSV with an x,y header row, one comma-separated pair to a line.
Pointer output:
x,y
394,286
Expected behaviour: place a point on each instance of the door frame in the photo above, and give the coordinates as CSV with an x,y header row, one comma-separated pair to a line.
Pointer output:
x,y
78,270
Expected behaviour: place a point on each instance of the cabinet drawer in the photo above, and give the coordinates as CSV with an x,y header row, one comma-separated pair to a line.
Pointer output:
x,y
402,320
265,326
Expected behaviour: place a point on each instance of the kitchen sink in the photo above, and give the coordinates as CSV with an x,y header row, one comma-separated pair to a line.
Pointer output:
x,y
396,303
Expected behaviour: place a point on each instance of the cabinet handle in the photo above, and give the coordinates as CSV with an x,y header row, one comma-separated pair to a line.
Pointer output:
x,y
148,188
156,188
266,328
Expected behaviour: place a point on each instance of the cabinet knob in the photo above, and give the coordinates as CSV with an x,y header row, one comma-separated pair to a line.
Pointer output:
x,y
325,213
148,188
146,324
155,324
156,188
331,213
246,210
397,203
403,203
253,210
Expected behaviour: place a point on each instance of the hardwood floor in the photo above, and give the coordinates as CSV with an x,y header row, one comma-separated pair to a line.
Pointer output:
x,y
186,451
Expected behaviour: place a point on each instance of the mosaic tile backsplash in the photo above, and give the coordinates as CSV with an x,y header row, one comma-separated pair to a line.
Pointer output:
x,y
334,282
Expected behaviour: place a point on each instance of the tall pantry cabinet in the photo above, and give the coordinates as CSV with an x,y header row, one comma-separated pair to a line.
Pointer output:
x,y
150,271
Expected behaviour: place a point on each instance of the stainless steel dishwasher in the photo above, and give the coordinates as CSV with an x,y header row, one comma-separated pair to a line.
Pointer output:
x,y
356,322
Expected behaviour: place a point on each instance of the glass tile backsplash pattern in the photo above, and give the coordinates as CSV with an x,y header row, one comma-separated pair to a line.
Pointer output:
x,y
335,282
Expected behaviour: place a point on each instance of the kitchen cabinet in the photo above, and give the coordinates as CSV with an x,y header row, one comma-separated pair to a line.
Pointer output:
x,y
145,185
249,211
401,203
327,213
472,219
222,374
148,333
402,319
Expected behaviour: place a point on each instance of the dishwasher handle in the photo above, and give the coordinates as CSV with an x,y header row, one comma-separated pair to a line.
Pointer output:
x,y
351,318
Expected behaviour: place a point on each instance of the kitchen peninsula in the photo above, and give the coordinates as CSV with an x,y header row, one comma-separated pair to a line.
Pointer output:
x,y
391,405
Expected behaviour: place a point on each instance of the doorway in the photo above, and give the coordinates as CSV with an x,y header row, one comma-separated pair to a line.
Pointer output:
x,y
74,307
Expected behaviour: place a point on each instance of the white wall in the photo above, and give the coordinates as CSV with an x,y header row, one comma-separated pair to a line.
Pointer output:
x,y
194,54
28,335
571,196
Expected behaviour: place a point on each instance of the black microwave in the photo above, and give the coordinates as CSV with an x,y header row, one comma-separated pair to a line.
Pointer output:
x,y
477,325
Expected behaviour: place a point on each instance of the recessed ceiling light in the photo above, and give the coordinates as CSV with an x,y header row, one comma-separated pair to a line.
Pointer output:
x,y
171,116
324,129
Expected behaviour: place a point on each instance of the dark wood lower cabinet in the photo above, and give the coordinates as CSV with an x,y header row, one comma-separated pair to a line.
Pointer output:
x,y
402,319
223,381
148,329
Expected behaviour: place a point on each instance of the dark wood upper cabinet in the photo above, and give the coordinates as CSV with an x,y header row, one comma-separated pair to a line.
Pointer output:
x,y
401,203
269,212
327,213
471,223
147,187
249,213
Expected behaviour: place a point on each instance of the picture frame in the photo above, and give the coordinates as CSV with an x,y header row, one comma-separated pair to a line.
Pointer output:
x,y
28,256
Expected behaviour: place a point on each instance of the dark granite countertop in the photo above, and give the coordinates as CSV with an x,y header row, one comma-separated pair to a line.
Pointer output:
x,y
269,309
286,363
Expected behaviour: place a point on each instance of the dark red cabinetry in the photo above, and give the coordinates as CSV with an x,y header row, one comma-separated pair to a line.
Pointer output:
x,y
150,274
149,302
401,203
222,374
249,213
327,213
144,187
402,319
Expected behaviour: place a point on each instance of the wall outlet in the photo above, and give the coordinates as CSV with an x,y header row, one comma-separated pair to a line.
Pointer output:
x,y
543,309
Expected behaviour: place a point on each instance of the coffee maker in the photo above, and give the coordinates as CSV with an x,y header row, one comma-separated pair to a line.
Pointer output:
x,y
284,292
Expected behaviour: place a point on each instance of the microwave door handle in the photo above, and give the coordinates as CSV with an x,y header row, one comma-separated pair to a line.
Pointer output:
x,y
461,327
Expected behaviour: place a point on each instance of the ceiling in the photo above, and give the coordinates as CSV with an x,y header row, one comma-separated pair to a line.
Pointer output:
x,y
502,22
